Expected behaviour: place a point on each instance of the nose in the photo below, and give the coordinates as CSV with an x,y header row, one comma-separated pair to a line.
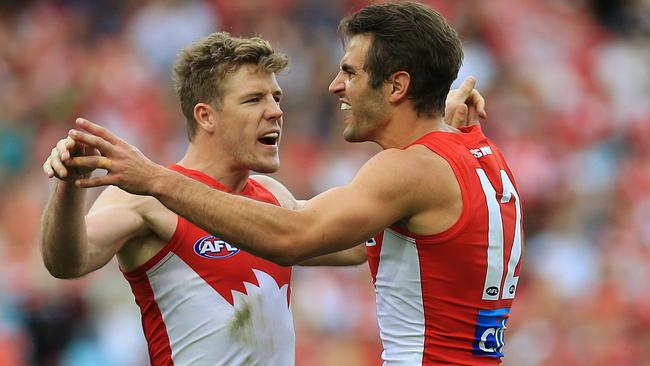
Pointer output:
x,y
337,85
273,111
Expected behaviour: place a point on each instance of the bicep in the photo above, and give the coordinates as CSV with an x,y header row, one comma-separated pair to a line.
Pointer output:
x,y
346,216
111,222
376,198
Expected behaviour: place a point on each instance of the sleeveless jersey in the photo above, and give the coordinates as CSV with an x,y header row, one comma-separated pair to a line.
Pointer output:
x,y
204,302
446,298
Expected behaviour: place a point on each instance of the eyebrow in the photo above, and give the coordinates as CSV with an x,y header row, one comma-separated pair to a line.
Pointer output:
x,y
277,93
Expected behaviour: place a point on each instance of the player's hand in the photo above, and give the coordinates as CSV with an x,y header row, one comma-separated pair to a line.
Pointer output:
x,y
66,149
127,167
465,105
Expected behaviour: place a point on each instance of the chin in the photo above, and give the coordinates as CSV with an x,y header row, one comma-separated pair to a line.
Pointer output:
x,y
352,137
267,168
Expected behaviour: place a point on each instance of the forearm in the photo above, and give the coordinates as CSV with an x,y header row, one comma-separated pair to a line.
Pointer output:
x,y
64,232
264,230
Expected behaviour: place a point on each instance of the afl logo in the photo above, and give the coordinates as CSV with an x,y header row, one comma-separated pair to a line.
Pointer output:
x,y
213,247
492,291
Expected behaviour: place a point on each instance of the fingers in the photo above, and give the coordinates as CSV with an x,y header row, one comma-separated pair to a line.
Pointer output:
x,y
90,162
79,142
465,89
472,101
480,104
473,112
459,118
54,164
93,141
89,151
98,131
47,168
105,180
477,101
476,105
64,147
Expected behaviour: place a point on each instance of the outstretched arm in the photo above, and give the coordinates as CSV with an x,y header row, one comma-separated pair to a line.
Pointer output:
x,y
346,257
71,244
64,232
282,233
381,193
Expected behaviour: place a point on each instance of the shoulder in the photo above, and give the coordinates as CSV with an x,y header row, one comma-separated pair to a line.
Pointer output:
x,y
283,195
415,162
415,174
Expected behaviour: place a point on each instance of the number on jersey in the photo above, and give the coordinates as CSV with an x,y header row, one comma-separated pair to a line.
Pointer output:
x,y
495,254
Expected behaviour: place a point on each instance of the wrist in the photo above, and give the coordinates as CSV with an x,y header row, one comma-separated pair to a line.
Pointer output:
x,y
68,194
67,187
161,182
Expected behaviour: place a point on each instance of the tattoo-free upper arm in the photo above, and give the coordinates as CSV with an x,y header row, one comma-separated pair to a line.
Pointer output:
x,y
111,222
383,192
347,257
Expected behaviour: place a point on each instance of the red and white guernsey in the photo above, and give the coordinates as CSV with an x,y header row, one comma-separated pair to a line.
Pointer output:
x,y
445,299
205,302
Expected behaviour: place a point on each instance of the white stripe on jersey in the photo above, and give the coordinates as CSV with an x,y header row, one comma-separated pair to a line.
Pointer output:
x,y
400,310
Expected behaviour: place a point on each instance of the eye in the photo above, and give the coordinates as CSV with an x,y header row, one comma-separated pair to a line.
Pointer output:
x,y
252,100
349,74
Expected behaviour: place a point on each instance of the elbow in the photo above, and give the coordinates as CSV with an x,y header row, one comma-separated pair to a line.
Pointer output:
x,y
285,262
64,276
62,272
285,258
359,260
354,260
289,251
361,256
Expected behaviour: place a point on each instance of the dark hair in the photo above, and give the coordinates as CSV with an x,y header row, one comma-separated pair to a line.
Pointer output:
x,y
414,38
202,67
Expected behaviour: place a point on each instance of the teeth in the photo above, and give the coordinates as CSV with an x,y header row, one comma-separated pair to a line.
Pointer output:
x,y
345,106
271,135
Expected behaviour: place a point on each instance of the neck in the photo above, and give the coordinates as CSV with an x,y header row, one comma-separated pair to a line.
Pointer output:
x,y
216,165
405,127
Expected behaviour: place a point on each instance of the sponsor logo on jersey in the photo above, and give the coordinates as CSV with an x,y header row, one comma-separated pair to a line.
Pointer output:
x,y
492,291
481,151
488,334
213,247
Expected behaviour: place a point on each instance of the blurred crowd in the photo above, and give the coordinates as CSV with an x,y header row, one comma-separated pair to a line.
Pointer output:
x,y
567,85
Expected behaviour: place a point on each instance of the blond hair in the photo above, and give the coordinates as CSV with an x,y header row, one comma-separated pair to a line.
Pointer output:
x,y
201,69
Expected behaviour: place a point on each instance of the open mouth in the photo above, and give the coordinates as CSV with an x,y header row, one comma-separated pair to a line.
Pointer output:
x,y
270,139
345,106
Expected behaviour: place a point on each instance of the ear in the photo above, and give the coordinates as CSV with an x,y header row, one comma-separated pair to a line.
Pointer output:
x,y
399,83
205,117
